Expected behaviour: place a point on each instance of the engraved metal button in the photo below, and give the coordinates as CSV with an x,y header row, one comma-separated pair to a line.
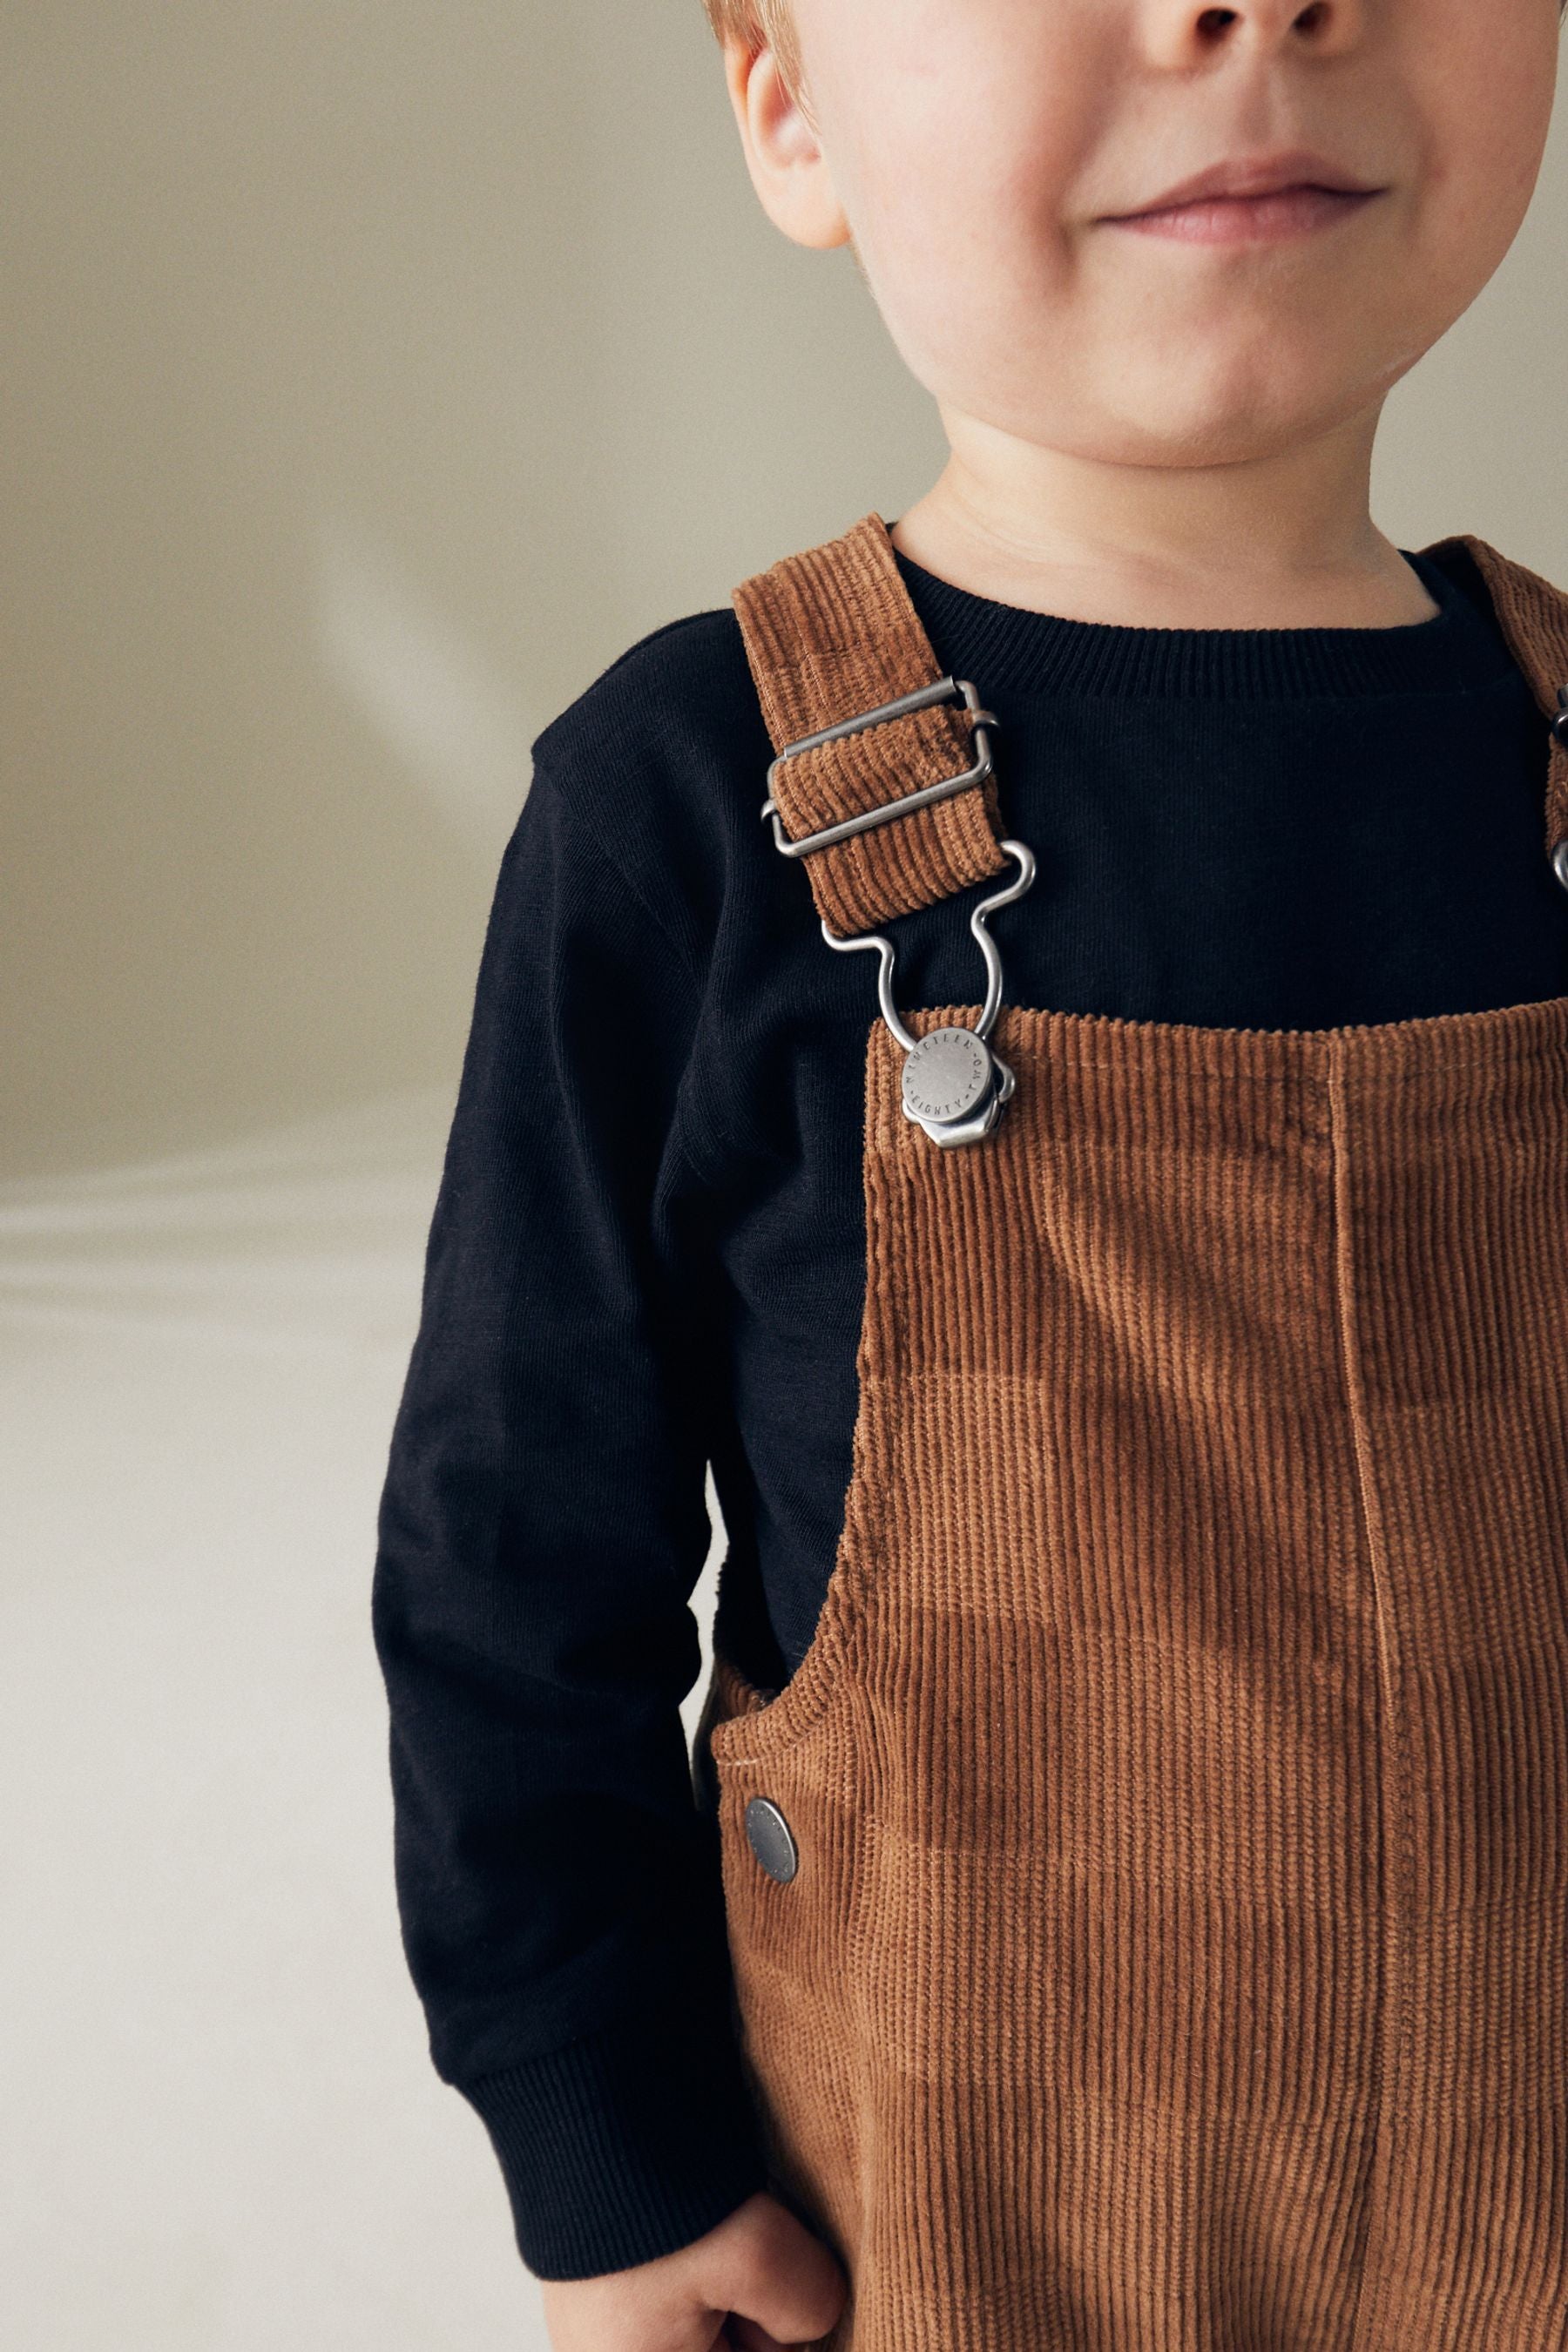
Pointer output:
x,y
950,1072
768,1834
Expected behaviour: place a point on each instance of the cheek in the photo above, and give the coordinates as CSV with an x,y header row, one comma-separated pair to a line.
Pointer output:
x,y
1496,146
1486,125
963,256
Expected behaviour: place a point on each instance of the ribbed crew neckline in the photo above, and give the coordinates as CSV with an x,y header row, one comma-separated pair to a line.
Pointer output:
x,y
1459,648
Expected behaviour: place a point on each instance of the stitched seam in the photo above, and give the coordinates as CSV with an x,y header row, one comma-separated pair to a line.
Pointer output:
x,y
1388,1726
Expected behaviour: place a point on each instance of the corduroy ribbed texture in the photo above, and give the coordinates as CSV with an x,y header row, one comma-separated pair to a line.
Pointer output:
x,y
1178,1956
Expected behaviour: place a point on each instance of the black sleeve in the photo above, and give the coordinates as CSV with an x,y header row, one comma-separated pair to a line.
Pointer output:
x,y
542,1523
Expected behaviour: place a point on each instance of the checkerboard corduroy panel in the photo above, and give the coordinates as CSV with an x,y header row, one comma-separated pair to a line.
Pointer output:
x,y
1178,1958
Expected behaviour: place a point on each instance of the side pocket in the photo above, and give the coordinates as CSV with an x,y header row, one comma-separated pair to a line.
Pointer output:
x,y
791,1828
730,1695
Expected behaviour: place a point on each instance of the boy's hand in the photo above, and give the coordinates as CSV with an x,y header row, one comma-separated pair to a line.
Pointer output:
x,y
758,2281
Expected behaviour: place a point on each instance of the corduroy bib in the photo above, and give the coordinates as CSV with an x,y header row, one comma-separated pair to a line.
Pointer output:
x,y
1153,1933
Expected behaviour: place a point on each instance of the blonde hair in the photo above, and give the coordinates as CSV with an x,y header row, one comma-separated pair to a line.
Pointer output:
x,y
757,22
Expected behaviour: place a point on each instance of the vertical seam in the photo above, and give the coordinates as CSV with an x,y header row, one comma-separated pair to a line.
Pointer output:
x,y
1394,1982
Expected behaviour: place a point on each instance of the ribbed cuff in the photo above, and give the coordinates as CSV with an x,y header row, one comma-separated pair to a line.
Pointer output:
x,y
622,2145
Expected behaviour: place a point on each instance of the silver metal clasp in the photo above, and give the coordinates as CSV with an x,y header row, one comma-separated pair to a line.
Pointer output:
x,y
953,1085
1558,726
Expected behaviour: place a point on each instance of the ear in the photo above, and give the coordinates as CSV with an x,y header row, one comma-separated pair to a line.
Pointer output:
x,y
788,168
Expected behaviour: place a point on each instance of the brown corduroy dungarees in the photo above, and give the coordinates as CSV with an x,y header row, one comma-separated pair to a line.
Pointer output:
x,y
1160,1940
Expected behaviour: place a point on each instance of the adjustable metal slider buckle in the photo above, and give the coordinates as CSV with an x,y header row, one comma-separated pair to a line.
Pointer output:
x,y
954,1085
1557,727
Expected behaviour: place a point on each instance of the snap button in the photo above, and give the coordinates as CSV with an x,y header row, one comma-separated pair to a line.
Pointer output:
x,y
768,1834
1559,859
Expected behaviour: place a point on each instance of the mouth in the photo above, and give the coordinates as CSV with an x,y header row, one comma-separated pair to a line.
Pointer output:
x,y
1252,200
1287,212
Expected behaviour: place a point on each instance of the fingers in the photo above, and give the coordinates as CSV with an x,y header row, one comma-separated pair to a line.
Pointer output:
x,y
791,2292
758,2282
747,2337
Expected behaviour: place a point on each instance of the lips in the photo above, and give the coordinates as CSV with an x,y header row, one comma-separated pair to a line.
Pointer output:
x,y
1255,176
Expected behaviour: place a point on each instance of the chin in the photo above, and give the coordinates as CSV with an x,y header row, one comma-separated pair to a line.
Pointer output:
x,y
1229,417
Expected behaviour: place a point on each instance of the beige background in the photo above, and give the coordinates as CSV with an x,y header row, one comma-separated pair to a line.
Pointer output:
x,y
375,374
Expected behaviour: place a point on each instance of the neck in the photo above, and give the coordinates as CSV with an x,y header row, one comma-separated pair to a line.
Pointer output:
x,y
1285,540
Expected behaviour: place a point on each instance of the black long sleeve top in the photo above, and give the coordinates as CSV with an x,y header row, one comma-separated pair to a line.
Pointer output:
x,y
648,1256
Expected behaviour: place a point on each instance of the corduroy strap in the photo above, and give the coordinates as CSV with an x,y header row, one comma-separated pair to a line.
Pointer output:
x,y
831,633
1532,615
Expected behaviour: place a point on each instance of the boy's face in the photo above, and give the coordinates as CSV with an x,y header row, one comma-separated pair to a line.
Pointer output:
x,y
977,151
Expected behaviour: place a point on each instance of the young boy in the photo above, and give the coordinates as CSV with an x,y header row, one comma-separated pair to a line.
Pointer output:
x,y
1120,1897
